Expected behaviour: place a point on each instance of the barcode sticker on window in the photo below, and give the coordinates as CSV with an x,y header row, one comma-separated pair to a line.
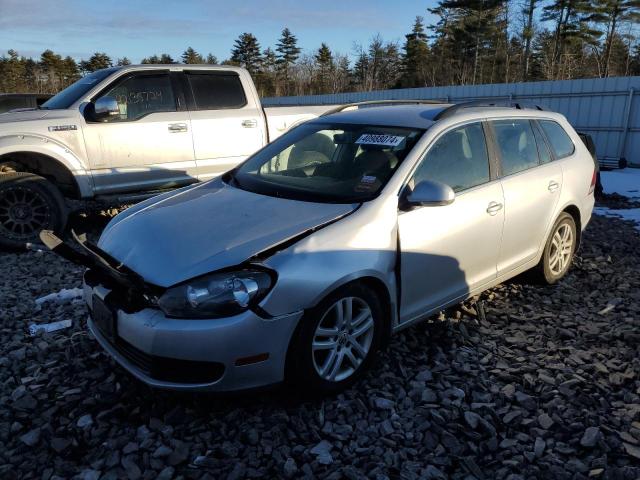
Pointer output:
x,y
376,139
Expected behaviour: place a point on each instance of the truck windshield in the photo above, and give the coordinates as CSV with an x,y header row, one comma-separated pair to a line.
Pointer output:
x,y
73,92
336,163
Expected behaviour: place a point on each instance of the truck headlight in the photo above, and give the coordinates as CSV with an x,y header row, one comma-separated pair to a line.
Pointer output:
x,y
216,295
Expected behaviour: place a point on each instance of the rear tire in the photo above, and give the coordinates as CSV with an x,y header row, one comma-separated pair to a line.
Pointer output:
x,y
327,354
558,251
28,204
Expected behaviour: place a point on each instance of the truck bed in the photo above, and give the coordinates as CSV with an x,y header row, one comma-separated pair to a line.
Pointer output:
x,y
281,119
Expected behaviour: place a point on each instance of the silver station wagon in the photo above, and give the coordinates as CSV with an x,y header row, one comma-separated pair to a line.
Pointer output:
x,y
300,263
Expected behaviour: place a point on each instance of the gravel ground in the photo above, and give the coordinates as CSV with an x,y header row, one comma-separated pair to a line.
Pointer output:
x,y
546,387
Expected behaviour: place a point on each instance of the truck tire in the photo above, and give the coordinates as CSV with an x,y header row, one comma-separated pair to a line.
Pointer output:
x,y
28,204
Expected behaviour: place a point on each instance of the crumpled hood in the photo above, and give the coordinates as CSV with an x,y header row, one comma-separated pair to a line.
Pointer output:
x,y
203,229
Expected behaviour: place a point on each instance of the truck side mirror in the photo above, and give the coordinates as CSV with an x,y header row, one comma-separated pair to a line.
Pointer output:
x,y
427,193
105,108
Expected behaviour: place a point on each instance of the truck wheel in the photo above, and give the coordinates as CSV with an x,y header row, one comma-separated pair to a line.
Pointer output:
x,y
28,204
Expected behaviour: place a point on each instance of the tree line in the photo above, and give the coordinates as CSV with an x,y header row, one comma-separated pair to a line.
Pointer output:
x,y
472,42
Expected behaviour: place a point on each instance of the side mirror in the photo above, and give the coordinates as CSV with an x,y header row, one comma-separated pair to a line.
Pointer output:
x,y
105,108
429,193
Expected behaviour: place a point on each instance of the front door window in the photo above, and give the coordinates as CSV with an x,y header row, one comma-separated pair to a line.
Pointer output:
x,y
140,95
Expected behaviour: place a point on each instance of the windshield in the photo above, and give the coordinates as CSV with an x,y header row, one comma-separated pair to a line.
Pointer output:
x,y
336,163
73,92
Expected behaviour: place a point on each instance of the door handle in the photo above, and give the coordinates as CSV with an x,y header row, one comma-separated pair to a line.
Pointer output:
x,y
494,208
553,186
177,127
252,123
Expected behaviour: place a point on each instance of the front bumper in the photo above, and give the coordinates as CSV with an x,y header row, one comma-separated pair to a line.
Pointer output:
x,y
148,344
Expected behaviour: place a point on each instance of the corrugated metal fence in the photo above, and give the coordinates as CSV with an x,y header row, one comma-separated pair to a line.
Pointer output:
x,y
606,108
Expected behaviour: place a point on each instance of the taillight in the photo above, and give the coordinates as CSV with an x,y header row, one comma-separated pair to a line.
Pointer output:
x,y
594,178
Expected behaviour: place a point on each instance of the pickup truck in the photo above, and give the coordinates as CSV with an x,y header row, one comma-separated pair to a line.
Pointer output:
x,y
126,133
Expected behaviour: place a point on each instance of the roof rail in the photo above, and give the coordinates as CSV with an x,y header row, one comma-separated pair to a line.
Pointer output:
x,y
341,108
447,112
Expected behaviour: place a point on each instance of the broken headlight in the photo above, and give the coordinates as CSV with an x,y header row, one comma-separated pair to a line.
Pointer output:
x,y
216,295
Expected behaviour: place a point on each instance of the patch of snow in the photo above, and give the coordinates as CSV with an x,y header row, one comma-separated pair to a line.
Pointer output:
x,y
34,328
624,182
632,214
63,296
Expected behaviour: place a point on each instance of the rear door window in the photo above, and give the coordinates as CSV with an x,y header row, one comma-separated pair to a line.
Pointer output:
x,y
516,145
560,141
216,91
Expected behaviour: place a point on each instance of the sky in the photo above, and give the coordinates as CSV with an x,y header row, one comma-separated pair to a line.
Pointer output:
x,y
140,28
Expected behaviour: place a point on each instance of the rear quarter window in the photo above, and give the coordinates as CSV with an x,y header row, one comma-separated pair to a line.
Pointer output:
x,y
558,138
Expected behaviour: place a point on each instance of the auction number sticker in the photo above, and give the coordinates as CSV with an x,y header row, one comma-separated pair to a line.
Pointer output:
x,y
377,139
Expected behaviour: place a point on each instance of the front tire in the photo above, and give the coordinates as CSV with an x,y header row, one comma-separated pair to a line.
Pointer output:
x,y
336,340
28,204
558,251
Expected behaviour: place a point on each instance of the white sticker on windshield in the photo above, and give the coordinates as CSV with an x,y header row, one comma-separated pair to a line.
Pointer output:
x,y
377,139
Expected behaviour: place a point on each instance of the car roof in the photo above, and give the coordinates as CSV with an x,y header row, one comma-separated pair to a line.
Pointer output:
x,y
423,116
410,116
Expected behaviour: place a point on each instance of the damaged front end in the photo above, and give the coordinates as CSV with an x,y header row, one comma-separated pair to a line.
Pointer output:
x,y
127,290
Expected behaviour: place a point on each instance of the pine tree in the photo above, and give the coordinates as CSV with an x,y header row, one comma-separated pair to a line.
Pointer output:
x,y
163,59
527,37
390,68
415,56
270,72
211,59
571,18
634,64
288,53
361,70
51,66
612,13
32,78
152,60
98,61
246,53
190,56
287,48
125,61
471,27
69,71
343,75
13,74
324,62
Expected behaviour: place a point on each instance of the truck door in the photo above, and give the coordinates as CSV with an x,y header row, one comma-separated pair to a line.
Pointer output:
x,y
227,121
149,144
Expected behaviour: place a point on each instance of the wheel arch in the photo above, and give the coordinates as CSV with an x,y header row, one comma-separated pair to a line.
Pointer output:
x,y
369,281
378,286
574,211
48,166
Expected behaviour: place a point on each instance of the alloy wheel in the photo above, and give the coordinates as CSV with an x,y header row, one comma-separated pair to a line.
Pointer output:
x,y
342,339
23,212
561,249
